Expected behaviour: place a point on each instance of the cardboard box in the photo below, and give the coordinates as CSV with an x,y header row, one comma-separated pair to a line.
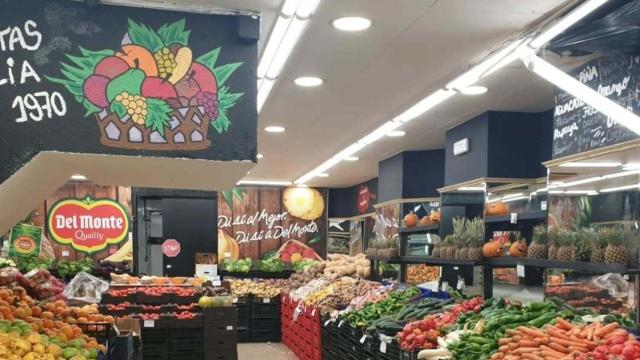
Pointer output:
x,y
206,258
124,326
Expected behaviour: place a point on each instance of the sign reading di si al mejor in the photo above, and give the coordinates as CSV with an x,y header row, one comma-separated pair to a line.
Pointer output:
x,y
88,225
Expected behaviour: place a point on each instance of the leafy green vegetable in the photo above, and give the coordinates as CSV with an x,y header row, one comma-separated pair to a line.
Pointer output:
x,y
242,265
271,265
69,268
303,265
31,262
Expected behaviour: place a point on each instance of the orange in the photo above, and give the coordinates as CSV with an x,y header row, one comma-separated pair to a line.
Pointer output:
x,y
36,311
47,315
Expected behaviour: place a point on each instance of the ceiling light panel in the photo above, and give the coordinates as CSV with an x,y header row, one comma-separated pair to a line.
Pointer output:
x,y
351,23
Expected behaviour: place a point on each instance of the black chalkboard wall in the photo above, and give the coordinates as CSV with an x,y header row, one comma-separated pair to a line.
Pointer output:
x,y
578,127
70,74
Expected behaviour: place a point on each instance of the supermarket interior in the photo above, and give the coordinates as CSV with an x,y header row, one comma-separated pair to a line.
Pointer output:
x,y
230,179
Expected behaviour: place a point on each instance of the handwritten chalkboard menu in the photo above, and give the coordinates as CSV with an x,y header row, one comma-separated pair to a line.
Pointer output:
x,y
108,79
579,127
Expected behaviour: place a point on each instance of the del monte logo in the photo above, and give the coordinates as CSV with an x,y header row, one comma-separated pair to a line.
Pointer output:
x,y
152,93
88,224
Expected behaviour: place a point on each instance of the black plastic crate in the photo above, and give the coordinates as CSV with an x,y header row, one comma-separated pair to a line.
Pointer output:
x,y
409,355
244,310
393,352
108,299
259,335
103,332
266,324
153,336
184,300
195,323
265,311
221,313
243,335
143,298
190,355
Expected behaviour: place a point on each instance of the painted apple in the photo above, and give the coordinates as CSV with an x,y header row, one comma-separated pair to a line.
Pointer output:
x,y
156,87
204,77
95,90
111,66
187,87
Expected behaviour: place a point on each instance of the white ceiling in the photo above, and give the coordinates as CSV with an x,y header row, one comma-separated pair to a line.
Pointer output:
x,y
413,48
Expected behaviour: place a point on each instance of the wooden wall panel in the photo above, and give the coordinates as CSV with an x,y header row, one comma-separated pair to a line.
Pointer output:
x,y
270,201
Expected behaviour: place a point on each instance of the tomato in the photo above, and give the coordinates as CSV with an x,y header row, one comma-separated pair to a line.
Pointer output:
x,y
618,339
629,352
616,349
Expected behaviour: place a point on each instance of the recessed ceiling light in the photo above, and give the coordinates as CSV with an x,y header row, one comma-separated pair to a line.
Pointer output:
x,y
308,81
264,182
259,156
351,23
274,129
351,158
396,133
78,177
473,90
323,175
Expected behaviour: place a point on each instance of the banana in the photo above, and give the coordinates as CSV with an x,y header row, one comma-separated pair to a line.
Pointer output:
x,y
227,244
183,61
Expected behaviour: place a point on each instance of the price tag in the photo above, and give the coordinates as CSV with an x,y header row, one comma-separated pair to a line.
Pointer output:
x,y
313,313
327,322
520,270
363,339
229,327
65,253
443,287
340,323
543,205
235,300
266,300
149,323
460,285
456,268
216,283
383,346
514,218
426,249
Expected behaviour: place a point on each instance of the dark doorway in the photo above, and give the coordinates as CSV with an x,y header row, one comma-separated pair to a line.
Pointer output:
x,y
190,217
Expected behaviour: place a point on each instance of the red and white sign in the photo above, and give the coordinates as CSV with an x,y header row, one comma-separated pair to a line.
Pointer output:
x,y
171,247
363,198
88,225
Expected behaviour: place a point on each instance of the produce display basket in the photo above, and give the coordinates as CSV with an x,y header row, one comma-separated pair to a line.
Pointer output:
x,y
195,323
102,331
187,130
109,299
183,300
143,298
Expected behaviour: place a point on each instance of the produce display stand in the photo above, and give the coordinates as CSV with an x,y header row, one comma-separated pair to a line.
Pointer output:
x,y
254,273
258,319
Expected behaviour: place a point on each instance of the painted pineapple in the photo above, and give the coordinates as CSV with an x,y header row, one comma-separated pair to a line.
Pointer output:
x,y
538,246
566,247
616,251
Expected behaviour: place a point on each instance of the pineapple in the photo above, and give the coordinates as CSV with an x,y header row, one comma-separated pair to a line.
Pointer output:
x,y
435,253
538,247
566,247
552,240
475,239
583,239
632,244
459,236
616,251
598,246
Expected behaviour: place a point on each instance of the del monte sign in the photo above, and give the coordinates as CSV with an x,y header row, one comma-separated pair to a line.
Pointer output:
x,y
88,225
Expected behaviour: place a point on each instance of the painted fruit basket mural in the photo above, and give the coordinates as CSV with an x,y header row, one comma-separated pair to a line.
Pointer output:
x,y
152,93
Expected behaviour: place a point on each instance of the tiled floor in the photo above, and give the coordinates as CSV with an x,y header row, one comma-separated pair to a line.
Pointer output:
x,y
264,351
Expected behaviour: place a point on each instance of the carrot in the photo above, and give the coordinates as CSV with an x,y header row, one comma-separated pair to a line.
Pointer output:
x,y
590,333
559,348
551,354
562,341
578,348
531,332
615,332
564,324
516,337
606,329
557,333
524,350
528,343
532,357
503,341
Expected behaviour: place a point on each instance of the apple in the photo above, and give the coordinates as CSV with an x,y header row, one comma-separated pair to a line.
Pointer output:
x,y
157,87
205,79
111,66
95,90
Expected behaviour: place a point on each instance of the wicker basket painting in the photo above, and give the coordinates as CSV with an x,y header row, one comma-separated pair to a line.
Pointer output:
x,y
153,93
187,131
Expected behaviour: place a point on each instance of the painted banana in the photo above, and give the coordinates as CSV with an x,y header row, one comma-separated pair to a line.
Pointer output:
x,y
227,247
125,253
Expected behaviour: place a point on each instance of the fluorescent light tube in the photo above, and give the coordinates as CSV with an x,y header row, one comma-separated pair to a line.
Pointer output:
x,y
619,188
577,192
424,105
471,188
264,182
633,166
381,131
583,181
263,92
289,8
508,196
590,164
289,41
515,198
307,8
78,177
567,21
621,174
583,92
270,51
351,150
